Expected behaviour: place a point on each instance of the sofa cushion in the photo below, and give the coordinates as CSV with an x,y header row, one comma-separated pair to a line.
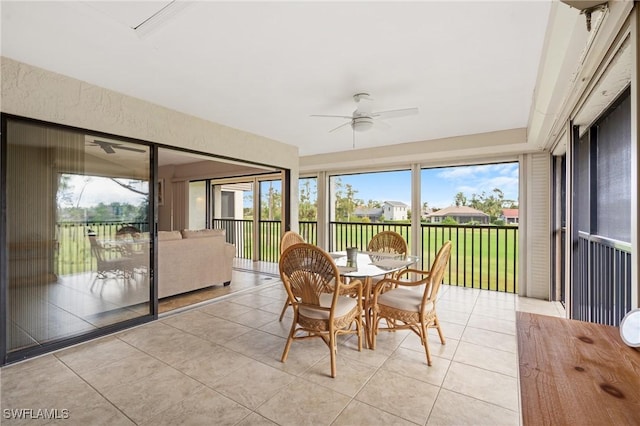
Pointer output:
x,y
169,235
200,233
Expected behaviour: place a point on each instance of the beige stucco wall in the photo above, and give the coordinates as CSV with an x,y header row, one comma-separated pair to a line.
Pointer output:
x,y
37,93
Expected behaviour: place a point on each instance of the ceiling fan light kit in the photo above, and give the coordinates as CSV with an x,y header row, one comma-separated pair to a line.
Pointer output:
x,y
361,124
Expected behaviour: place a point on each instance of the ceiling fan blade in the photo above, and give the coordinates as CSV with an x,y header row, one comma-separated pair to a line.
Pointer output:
x,y
106,147
348,117
395,113
130,149
340,126
380,125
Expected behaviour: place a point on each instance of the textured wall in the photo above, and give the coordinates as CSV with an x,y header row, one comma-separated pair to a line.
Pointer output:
x,y
37,93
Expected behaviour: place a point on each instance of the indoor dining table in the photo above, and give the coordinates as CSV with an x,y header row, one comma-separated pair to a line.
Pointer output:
x,y
370,265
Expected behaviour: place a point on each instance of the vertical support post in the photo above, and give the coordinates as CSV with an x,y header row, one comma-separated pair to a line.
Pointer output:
x,y
635,141
416,211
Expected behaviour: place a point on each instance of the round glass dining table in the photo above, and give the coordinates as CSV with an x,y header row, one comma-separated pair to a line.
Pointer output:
x,y
370,265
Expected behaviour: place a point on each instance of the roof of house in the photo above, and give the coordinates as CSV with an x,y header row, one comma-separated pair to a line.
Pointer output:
x,y
510,212
457,211
396,203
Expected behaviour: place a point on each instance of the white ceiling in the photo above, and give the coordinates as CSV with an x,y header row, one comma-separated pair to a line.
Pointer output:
x,y
265,67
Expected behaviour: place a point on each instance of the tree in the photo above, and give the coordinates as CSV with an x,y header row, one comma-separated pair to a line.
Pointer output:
x,y
345,201
308,202
272,206
460,199
491,205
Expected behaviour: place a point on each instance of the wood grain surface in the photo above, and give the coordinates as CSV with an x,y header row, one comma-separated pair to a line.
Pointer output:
x,y
576,373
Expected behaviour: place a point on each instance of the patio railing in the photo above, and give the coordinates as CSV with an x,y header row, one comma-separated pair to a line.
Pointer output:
x,y
73,247
484,257
602,285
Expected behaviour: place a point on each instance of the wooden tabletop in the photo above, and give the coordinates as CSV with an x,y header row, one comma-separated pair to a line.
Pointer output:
x,y
576,373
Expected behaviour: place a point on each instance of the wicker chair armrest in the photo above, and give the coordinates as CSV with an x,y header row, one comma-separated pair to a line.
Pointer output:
x,y
402,272
353,285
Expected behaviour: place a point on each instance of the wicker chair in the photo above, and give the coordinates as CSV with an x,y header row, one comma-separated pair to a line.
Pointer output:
x,y
408,308
110,264
288,239
388,242
313,284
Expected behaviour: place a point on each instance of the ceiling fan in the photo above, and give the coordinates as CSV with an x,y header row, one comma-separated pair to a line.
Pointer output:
x,y
110,147
363,118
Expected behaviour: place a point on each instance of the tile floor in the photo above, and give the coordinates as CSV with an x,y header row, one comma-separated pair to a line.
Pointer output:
x,y
219,363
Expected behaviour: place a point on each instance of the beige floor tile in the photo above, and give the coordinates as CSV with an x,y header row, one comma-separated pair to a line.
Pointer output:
x,y
253,300
202,406
255,419
146,398
492,324
348,348
359,413
279,328
255,344
446,351
450,330
402,396
350,377
172,346
487,358
482,384
255,318
130,369
96,354
455,409
276,308
414,364
304,403
92,409
214,366
463,306
253,386
455,317
388,341
207,327
495,312
491,339
225,309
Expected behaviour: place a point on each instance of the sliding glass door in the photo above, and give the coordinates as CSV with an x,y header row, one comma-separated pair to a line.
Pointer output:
x,y
77,235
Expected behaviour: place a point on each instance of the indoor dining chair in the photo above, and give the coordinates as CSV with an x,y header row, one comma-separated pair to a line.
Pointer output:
x,y
314,286
412,303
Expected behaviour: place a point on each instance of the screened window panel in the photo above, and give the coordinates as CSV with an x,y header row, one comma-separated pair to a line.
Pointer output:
x,y
613,200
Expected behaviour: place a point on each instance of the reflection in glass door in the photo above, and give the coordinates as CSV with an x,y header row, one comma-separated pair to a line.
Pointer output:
x,y
78,234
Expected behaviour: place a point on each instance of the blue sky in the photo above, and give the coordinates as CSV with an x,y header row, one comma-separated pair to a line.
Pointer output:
x,y
439,185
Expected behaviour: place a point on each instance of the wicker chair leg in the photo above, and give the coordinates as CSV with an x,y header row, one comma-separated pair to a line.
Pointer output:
x,y
284,309
440,333
332,347
289,340
425,341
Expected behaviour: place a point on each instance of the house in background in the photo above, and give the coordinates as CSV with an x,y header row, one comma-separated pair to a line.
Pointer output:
x,y
395,210
390,210
461,214
510,216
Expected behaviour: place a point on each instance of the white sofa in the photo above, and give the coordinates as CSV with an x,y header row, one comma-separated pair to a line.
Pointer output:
x,y
190,260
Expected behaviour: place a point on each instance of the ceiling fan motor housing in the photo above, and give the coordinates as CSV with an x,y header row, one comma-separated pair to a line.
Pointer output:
x,y
361,124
